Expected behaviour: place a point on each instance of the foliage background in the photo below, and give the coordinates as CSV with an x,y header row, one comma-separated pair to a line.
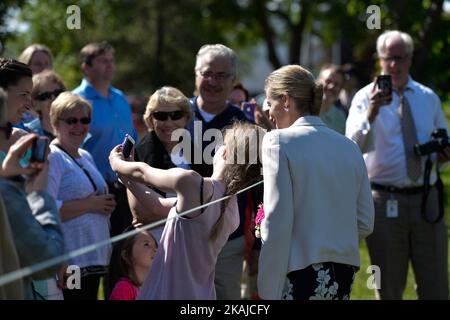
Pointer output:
x,y
156,41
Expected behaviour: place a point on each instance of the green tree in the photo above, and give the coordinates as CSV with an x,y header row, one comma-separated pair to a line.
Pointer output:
x,y
6,7
156,41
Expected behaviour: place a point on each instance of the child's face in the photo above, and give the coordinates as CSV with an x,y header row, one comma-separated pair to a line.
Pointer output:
x,y
144,249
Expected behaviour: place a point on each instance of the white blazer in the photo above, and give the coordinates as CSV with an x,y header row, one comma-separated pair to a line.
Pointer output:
x,y
317,202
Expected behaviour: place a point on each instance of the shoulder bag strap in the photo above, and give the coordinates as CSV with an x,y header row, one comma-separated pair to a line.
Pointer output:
x,y
80,166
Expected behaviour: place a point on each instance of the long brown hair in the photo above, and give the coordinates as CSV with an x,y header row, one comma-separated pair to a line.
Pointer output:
x,y
243,165
121,262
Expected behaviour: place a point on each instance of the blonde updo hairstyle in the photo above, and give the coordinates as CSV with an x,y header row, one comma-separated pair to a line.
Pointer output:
x,y
166,96
299,84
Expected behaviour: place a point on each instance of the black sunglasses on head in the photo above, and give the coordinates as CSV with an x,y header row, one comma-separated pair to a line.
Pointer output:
x,y
44,96
163,115
72,120
7,129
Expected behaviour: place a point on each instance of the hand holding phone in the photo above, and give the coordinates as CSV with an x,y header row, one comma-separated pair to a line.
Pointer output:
x,y
380,96
127,146
14,163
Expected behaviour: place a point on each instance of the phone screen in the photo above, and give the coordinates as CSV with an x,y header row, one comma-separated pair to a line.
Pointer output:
x,y
39,149
127,145
249,109
384,83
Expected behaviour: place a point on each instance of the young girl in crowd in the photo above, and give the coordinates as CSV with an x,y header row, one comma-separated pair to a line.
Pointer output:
x,y
131,260
184,263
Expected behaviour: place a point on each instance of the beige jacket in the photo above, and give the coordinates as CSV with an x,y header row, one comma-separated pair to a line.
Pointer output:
x,y
317,202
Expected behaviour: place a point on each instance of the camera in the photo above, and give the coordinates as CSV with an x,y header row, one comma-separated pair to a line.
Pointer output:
x,y
384,83
127,145
39,149
439,140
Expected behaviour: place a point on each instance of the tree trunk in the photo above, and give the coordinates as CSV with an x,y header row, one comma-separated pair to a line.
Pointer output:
x,y
267,32
297,29
158,75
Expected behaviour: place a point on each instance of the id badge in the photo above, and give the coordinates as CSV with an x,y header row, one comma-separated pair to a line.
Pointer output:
x,y
392,208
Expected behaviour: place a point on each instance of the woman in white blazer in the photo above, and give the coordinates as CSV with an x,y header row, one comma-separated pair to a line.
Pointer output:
x,y
317,196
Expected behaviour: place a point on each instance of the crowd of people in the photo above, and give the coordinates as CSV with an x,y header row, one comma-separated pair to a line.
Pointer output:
x,y
333,164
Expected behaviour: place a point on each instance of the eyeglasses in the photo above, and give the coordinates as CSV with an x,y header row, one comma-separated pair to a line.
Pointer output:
x,y
7,129
397,59
73,120
44,96
163,116
220,76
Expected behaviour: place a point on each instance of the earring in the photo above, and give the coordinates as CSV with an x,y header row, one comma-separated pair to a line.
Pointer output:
x,y
286,109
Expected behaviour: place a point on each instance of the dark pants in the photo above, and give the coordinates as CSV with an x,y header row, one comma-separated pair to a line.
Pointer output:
x,y
409,238
321,281
121,216
88,291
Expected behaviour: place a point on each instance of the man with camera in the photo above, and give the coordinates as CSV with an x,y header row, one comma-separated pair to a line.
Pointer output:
x,y
392,120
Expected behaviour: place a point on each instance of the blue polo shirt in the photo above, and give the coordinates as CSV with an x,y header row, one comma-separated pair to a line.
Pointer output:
x,y
111,120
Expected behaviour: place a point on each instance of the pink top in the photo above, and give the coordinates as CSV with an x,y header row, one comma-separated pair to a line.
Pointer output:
x,y
124,290
184,265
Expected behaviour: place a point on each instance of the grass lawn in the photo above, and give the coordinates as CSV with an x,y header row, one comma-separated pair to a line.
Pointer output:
x,y
360,290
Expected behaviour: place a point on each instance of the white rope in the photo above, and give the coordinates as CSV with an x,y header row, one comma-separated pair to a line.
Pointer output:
x,y
27,271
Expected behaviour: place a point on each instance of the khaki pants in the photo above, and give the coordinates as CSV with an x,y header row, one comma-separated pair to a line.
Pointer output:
x,y
396,241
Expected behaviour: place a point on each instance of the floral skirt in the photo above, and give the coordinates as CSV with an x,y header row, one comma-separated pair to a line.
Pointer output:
x,y
320,281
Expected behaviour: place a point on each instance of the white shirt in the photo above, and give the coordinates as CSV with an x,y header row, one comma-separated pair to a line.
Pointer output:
x,y
67,181
206,115
382,141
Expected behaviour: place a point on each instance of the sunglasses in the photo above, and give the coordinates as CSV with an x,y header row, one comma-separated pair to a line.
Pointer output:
x,y
44,96
7,129
72,121
163,116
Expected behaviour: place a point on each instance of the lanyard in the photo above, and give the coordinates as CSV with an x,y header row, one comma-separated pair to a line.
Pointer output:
x,y
79,165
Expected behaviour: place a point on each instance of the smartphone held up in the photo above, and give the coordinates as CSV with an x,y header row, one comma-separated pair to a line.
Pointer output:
x,y
127,146
384,83
249,109
39,149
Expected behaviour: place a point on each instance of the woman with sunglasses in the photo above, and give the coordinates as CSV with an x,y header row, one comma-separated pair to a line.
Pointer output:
x,y
47,85
75,182
167,110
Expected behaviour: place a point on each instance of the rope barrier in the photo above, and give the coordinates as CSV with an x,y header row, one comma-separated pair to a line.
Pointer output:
x,y
27,271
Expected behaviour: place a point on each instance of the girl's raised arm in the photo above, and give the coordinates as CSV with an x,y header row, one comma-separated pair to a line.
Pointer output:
x,y
186,183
